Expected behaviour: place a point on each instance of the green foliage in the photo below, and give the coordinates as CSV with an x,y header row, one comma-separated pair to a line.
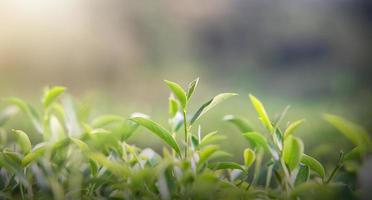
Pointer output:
x,y
89,157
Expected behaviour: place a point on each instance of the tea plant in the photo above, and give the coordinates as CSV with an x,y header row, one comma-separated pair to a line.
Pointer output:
x,y
76,157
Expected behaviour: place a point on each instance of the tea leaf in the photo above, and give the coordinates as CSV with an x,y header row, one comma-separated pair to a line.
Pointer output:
x,y
249,157
210,104
292,152
257,140
262,113
23,141
355,133
225,165
292,127
178,92
105,120
302,175
50,95
29,111
34,155
239,122
206,153
192,87
157,130
173,107
314,165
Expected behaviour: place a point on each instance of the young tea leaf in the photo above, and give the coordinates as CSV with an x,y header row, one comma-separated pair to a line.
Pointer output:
x,y
173,107
292,127
105,120
23,141
355,133
192,87
239,122
257,140
314,165
178,92
34,155
206,153
50,95
225,165
292,152
262,113
249,157
157,130
210,104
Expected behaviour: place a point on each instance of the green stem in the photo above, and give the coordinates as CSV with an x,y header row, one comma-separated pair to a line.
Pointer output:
x,y
338,166
186,135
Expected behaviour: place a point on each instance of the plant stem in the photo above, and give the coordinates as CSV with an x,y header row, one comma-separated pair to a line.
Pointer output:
x,y
338,166
186,134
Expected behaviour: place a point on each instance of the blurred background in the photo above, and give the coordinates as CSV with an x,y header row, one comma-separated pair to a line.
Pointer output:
x,y
114,55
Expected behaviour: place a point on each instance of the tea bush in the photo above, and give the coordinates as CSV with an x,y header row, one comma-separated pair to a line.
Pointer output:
x,y
78,158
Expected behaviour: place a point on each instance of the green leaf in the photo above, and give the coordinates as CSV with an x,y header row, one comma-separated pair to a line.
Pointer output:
x,y
50,95
355,154
302,175
192,87
292,152
355,133
82,145
23,141
29,111
249,157
157,130
225,165
262,113
206,153
33,155
292,127
210,104
257,140
211,137
7,113
239,122
314,165
105,120
173,107
178,92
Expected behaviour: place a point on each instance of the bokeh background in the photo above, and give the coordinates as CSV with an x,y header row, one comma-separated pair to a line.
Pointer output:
x,y
113,55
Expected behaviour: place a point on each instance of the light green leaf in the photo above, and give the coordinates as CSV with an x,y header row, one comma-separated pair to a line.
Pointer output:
x,y
34,155
210,104
82,145
355,154
257,140
239,122
249,157
192,87
50,95
292,152
355,133
211,137
157,130
29,111
173,107
23,141
178,92
7,113
225,165
314,165
262,113
292,127
105,120
206,153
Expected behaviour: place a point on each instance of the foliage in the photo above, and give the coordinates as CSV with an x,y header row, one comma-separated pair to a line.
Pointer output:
x,y
77,158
